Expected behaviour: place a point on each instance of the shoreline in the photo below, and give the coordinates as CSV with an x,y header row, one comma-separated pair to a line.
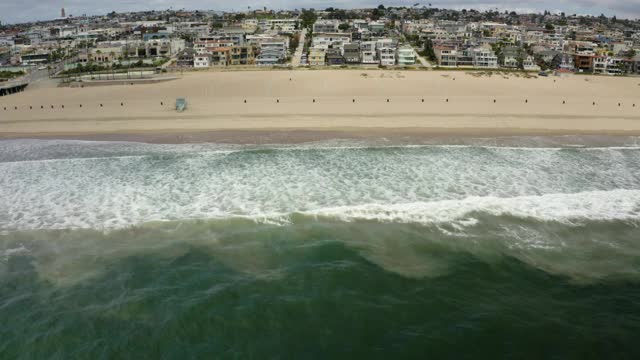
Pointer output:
x,y
369,137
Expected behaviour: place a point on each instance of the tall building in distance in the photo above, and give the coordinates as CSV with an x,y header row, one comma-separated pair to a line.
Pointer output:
x,y
62,13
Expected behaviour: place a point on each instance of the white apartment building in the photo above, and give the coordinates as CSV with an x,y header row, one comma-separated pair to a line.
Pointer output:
x,y
368,53
406,56
387,56
325,26
447,57
285,25
326,40
607,65
483,58
201,61
206,47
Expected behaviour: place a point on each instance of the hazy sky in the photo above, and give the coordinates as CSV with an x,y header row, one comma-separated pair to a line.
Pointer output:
x,y
13,11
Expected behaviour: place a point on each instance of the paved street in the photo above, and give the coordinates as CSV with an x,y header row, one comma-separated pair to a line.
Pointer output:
x,y
298,54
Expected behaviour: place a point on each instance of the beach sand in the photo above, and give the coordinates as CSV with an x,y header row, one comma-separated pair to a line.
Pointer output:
x,y
387,103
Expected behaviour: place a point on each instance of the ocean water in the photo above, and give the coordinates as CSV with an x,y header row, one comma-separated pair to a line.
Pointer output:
x,y
337,249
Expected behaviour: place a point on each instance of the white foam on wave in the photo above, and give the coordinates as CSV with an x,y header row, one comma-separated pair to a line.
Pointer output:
x,y
567,208
8,253
128,188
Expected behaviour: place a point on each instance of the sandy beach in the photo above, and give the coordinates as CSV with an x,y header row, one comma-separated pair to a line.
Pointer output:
x,y
347,103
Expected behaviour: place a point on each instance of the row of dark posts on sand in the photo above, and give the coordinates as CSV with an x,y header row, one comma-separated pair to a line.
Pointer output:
x,y
278,101
526,101
62,106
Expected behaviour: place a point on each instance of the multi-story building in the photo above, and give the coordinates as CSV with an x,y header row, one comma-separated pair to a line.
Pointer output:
x,y
387,56
377,27
608,65
511,58
325,26
317,56
186,58
368,53
272,53
327,40
583,62
351,53
220,56
483,58
202,61
204,45
283,25
446,56
529,64
406,56
242,55
334,57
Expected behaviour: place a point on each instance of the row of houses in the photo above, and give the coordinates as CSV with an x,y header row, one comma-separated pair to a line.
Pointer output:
x,y
228,50
109,52
367,53
529,47
359,41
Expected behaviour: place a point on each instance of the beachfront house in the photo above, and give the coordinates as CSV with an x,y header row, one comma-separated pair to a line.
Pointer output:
x,y
186,58
207,45
220,56
242,55
334,57
583,62
635,67
368,52
446,56
529,64
387,56
201,61
351,53
484,58
317,57
563,62
511,57
609,65
406,56
272,52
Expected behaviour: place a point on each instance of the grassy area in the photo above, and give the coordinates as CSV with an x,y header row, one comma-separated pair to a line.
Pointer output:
x,y
96,68
10,74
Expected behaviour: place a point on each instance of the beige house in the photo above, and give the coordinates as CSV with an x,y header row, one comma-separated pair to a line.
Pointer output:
x,y
317,57
243,55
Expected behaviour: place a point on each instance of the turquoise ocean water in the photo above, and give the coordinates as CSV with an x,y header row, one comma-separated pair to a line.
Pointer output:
x,y
318,251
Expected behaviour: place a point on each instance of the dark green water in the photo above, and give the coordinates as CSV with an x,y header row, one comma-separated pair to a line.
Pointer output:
x,y
397,256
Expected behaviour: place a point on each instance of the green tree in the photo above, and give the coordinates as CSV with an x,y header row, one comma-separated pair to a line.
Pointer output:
x,y
343,26
428,50
309,17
